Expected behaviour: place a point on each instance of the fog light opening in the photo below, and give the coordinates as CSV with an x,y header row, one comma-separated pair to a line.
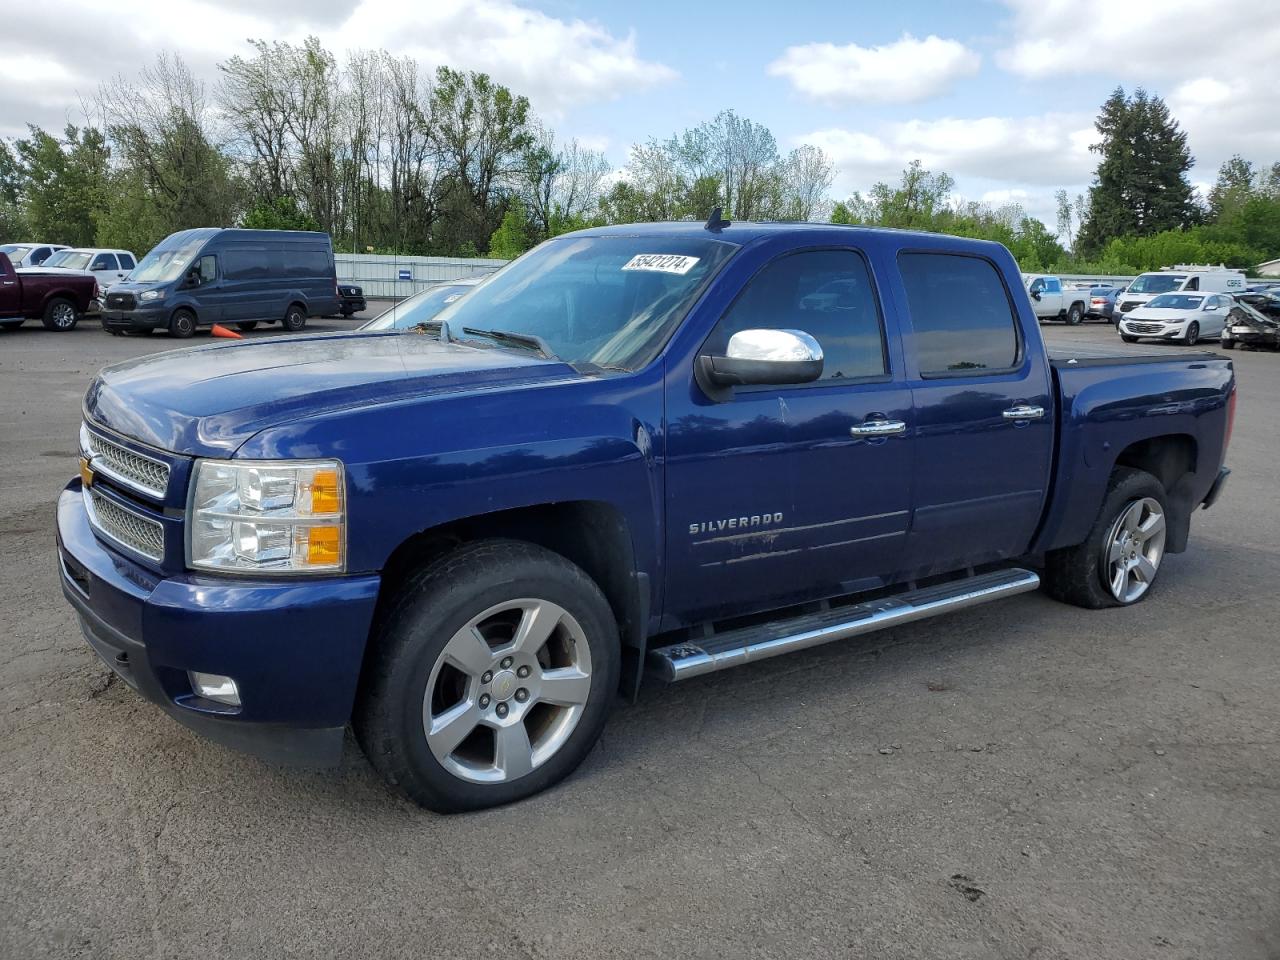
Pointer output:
x,y
214,686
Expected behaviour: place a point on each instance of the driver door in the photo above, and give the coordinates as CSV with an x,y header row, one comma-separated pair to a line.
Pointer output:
x,y
774,494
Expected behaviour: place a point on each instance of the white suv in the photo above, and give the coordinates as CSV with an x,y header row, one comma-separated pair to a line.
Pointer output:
x,y
106,266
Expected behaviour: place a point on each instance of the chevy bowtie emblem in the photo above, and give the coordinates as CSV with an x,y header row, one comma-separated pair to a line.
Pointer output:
x,y
86,472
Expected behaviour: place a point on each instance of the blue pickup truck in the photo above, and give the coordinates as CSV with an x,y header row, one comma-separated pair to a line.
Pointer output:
x,y
646,451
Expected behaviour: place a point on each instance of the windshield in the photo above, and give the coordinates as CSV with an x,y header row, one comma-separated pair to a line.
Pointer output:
x,y
1176,301
164,264
1157,282
70,259
419,308
15,251
604,301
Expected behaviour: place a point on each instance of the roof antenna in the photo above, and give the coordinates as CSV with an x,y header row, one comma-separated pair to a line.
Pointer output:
x,y
716,221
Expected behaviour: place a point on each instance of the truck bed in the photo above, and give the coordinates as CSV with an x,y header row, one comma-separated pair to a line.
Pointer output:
x,y
1092,355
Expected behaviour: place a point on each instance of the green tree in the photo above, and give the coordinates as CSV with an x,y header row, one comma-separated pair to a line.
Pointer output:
x,y
12,223
63,183
514,235
1141,186
279,214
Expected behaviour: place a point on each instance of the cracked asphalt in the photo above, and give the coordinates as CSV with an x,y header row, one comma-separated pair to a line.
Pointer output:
x,y
1022,779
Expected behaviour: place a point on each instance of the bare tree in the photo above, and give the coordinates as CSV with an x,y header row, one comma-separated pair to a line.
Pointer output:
x,y
808,174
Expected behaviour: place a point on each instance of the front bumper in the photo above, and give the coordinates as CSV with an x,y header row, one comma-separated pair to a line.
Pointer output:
x,y
294,647
140,318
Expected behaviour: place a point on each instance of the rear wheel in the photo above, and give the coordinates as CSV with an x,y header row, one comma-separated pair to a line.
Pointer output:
x,y
1118,563
491,678
1075,315
295,318
247,325
60,315
182,324
1192,336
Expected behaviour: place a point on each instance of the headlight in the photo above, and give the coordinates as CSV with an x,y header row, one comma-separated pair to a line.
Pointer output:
x,y
151,295
267,516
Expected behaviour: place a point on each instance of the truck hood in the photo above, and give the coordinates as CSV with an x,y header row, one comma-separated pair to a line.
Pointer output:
x,y
207,401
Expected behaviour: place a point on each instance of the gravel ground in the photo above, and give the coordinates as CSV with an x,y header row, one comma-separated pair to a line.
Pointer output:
x,y
1023,779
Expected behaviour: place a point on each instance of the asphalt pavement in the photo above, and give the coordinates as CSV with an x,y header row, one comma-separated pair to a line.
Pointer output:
x,y
1023,779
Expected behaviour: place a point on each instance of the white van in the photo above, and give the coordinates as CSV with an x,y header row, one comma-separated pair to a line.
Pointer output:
x,y
1183,278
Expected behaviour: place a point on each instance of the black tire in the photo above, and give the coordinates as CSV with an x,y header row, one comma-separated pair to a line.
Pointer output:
x,y
295,318
1075,315
347,314
60,315
182,324
1228,344
1075,575
247,325
1128,339
429,609
1193,334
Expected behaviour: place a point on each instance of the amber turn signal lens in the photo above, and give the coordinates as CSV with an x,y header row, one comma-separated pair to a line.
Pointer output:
x,y
324,492
324,546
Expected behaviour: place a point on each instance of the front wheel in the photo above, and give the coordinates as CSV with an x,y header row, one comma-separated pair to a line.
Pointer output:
x,y
491,678
1192,336
1228,344
60,315
182,324
1117,564
1128,339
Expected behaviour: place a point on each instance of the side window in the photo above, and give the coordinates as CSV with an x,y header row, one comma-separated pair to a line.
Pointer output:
x,y
960,313
126,262
41,255
1192,284
1053,285
1038,286
208,267
103,261
825,293
241,262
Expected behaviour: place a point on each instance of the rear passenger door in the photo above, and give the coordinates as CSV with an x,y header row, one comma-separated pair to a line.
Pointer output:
x,y
984,413
777,494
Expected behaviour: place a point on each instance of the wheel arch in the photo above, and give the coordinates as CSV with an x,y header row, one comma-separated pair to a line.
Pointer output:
x,y
1172,459
592,534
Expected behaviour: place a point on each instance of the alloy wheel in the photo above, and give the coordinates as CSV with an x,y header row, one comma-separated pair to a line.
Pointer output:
x,y
507,691
1135,547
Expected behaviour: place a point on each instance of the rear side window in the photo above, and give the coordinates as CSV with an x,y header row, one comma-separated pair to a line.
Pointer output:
x,y
126,262
960,313
241,262
825,293
307,262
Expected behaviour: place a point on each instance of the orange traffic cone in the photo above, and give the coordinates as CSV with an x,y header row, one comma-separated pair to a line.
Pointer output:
x,y
220,331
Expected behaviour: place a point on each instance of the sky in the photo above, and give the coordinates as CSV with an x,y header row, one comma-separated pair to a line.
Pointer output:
x,y
1001,94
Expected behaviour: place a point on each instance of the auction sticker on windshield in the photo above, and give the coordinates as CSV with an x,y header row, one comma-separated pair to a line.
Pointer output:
x,y
661,263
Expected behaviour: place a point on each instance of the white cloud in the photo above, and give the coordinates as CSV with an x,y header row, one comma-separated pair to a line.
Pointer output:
x,y
72,47
1217,65
1049,150
905,71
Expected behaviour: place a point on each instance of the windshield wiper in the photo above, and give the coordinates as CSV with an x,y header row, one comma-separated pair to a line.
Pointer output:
x,y
517,339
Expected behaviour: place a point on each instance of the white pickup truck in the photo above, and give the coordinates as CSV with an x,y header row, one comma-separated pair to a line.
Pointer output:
x,y
1051,299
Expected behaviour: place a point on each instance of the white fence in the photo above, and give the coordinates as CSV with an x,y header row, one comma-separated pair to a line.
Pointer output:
x,y
389,277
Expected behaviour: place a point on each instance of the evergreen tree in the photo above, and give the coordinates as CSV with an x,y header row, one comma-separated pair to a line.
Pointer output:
x,y
1141,186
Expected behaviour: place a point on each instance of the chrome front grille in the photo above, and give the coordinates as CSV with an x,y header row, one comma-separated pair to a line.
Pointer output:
x,y
1135,327
120,463
125,526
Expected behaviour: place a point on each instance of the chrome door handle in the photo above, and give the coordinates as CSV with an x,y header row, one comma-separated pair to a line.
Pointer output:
x,y
878,428
1024,413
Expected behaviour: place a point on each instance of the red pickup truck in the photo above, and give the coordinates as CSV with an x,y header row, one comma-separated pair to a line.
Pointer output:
x,y
58,299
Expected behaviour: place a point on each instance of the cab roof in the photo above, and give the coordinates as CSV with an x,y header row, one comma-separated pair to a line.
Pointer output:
x,y
742,232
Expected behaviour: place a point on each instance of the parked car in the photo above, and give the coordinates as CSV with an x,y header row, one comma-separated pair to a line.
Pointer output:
x,y
1185,317
1102,303
57,299
351,299
1182,279
1249,326
200,277
423,306
639,455
1266,303
30,254
106,266
1054,300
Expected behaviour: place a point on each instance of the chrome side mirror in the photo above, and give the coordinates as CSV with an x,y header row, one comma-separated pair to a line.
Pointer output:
x,y
764,357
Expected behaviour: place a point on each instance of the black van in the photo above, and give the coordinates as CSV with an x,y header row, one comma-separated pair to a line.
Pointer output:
x,y
210,275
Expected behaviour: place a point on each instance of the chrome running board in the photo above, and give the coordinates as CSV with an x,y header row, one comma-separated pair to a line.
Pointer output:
x,y
693,658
